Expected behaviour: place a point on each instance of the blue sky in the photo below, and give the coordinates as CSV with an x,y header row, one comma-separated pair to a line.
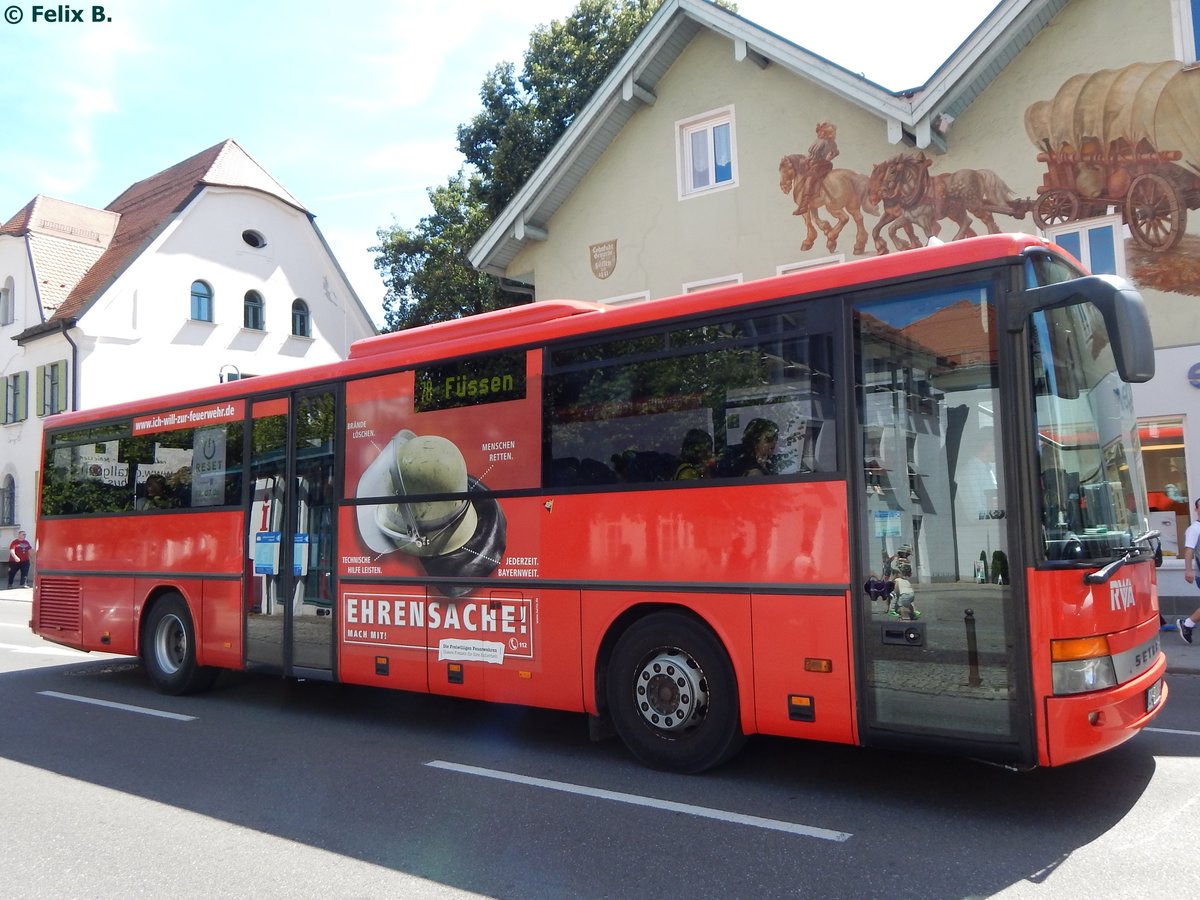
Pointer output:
x,y
351,106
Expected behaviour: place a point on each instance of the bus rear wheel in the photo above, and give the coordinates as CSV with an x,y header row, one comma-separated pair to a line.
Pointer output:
x,y
169,648
673,696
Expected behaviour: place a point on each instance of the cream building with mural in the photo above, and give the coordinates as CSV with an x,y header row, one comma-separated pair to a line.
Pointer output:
x,y
720,152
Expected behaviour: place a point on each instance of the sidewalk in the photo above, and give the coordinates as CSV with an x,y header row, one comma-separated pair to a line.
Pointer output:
x,y
25,594
1182,658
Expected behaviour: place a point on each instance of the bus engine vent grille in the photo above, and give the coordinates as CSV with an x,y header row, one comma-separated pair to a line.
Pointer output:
x,y
58,604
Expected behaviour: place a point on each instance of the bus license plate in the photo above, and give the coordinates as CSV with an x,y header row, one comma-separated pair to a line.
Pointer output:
x,y
1153,695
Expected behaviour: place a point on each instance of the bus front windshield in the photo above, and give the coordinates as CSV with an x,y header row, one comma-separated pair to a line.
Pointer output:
x,y
1093,498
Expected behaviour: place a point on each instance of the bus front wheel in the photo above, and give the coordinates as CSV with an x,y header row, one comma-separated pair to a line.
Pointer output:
x,y
169,648
673,696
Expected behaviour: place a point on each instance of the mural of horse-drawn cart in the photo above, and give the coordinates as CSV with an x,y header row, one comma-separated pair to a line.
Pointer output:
x,y
1127,139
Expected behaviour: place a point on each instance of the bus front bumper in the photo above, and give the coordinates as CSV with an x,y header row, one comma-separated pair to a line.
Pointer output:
x,y
1083,725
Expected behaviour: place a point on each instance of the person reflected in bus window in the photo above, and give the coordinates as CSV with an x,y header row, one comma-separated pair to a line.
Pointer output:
x,y
904,594
891,563
696,456
878,588
978,482
755,455
156,496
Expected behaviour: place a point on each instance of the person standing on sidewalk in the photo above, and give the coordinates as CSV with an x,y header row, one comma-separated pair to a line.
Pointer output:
x,y
1190,539
19,552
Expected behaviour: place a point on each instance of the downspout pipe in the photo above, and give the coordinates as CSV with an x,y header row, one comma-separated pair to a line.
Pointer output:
x,y
67,324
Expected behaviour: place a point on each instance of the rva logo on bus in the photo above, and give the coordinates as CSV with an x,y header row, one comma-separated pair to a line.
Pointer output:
x,y
1121,594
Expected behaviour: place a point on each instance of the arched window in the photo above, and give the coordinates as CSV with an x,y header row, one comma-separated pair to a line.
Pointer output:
x,y
253,311
8,311
301,326
8,501
202,301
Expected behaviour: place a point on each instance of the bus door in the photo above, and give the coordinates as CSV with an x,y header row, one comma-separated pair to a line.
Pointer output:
x,y
938,633
291,540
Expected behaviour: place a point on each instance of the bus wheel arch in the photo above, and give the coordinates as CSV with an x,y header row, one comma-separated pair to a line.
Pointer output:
x,y
168,645
671,692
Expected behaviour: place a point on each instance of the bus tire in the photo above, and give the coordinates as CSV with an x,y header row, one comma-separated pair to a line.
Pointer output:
x,y
169,648
673,696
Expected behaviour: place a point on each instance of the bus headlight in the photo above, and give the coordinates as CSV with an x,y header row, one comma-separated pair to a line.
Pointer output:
x,y
1081,664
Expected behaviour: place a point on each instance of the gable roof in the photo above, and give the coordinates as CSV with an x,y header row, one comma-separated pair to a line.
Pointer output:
x,y
150,205
922,115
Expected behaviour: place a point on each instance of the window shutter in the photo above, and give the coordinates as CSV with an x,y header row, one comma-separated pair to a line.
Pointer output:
x,y
20,397
41,390
60,404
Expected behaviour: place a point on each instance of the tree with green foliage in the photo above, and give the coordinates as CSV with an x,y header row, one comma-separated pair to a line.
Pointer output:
x,y
425,268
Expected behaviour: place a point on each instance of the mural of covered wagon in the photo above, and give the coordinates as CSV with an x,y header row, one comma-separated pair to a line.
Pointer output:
x,y
1127,138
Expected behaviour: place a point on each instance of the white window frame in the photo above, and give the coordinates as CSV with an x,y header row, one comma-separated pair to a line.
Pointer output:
x,y
16,397
1087,230
789,268
623,299
301,319
705,122
52,388
705,284
1185,19
254,305
201,302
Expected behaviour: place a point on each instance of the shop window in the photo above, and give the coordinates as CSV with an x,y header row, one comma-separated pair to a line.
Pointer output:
x,y
1165,464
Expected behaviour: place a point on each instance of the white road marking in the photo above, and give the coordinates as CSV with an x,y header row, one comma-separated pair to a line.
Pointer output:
x,y
123,706
636,800
1173,731
48,650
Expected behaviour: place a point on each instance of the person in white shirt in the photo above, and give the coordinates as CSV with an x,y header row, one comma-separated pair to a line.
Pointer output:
x,y
1190,539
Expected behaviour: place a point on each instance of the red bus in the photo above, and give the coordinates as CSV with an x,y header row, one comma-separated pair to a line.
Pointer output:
x,y
895,502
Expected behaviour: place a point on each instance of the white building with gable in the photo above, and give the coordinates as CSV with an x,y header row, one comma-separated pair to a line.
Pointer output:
x,y
208,270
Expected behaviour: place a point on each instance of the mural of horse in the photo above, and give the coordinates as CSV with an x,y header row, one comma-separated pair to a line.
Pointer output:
x,y
911,196
843,193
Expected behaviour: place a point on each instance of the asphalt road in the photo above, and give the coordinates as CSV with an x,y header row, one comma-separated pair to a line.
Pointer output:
x,y
272,788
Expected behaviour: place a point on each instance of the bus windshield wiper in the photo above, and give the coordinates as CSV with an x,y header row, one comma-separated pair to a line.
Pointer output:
x,y
1102,575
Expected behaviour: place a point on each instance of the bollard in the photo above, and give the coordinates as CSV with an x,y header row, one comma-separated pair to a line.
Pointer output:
x,y
973,678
